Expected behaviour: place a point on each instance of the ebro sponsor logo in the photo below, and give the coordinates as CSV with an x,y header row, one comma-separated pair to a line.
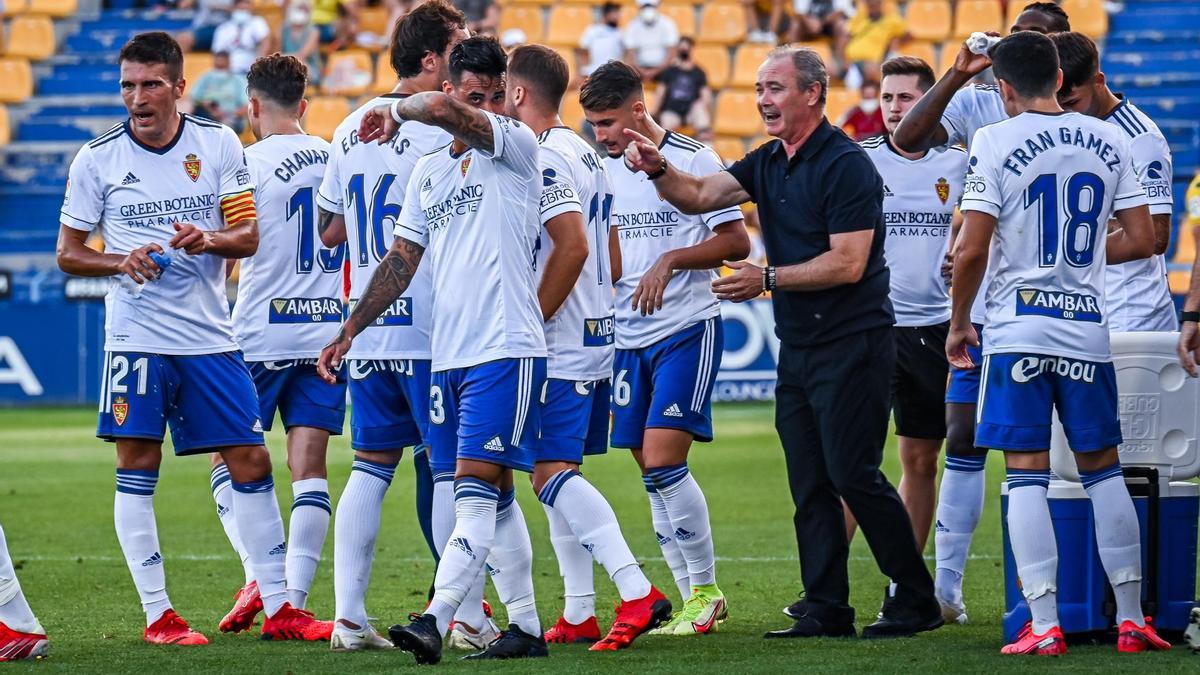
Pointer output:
x,y
1030,367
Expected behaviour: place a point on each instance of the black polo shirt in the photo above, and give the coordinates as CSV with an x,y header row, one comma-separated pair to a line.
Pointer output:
x,y
829,186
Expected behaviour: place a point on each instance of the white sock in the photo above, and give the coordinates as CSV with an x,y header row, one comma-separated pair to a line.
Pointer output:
x,y
467,548
666,540
137,531
14,609
511,559
575,567
470,610
354,531
960,504
223,496
261,529
689,521
1118,539
595,526
1034,547
306,536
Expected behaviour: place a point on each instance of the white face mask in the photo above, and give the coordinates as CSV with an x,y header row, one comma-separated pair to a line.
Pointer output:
x,y
240,15
648,14
869,106
298,17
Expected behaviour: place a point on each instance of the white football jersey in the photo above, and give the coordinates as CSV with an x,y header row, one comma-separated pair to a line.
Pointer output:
x,y
135,195
579,337
366,183
289,301
648,226
970,109
919,198
1053,181
1138,295
476,214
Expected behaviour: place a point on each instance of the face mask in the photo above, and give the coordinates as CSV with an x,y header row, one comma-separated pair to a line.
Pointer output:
x,y
298,17
240,15
869,106
613,24
684,55
648,14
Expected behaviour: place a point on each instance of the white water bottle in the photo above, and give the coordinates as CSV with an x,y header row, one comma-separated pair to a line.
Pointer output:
x,y
133,288
981,43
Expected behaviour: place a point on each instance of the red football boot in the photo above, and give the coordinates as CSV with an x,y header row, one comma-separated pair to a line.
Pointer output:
x,y
247,603
290,623
1050,643
634,618
1132,638
17,646
565,632
171,629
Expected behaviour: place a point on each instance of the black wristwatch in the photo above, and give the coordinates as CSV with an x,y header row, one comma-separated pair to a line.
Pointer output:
x,y
768,273
1194,317
662,169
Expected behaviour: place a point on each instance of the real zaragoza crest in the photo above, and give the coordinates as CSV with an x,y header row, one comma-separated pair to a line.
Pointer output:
x,y
943,189
191,164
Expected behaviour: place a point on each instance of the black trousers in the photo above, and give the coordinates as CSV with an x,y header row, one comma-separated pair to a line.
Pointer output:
x,y
831,412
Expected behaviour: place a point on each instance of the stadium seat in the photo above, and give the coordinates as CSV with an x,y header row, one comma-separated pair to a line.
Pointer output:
x,y
926,51
566,24
525,16
572,112
273,15
714,59
838,100
737,114
373,20
324,114
746,61
976,15
196,64
822,48
5,130
13,7
730,148
348,73
1087,16
55,8
1014,10
722,23
31,37
385,77
16,80
682,13
928,19
568,56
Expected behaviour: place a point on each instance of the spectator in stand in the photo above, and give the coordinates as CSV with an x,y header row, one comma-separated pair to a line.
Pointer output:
x,y
345,28
513,38
483,16
209,14
756,12
819,19
873,33
649,39
865,120
325,16
244,37
602,41
299,38
684,96
220,94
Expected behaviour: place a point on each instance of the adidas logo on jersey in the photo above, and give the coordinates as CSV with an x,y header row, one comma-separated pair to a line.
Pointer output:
x,y
463,545
281,549
494,445
683,535
887,191
130,179
427,185
673,411
153,560
222,510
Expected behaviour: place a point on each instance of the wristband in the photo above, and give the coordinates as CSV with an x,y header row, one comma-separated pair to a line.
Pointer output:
x,y
395,108
769,277
662,169
1189,316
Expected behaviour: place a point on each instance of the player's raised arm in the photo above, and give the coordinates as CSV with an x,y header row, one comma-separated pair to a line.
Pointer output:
x,y
466,123
690,194
921,129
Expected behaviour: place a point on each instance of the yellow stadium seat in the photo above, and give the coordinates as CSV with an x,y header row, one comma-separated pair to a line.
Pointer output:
x,y
324,114
14,7
5,130
373,20
730,148
348,73
822,49
568,56
714,59
929,19
926,51
572,112
525,16
1185,244
196,64
746,61
385,77
566,24
16,80
55,8
1014,10
1177,281
273,15
31,37
1087,17
737,114
838,101
722,23
976,15
683,14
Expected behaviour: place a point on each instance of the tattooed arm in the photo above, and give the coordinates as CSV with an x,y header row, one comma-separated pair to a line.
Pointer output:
x,y
391,279
466,123
331,227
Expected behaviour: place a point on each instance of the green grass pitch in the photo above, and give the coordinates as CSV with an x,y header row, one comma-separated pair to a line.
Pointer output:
x,y
56,492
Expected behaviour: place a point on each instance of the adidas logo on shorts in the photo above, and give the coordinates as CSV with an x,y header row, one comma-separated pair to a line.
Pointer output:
x,y
153,560
494,445
662,541
941,528
257,428
279,550
673,411
130,179
463,545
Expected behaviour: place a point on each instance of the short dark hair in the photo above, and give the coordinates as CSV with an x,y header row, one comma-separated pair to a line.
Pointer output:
x,y
1058,16
608,7
427,28
481,55
154,48
910,65
543,70
278,78
1078,58
610,86
1028,62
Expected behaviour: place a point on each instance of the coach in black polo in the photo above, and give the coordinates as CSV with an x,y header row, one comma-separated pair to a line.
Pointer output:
x,y
820,203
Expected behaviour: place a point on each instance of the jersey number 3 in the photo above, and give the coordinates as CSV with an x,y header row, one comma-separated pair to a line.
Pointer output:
x,y
1083,195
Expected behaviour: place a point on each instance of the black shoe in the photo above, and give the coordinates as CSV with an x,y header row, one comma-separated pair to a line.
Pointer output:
x,y
513,643
421,638
813,621
902,619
